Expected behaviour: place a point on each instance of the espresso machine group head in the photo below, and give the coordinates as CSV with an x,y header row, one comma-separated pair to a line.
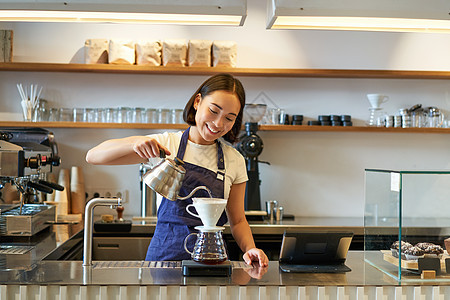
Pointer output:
x,y
26,157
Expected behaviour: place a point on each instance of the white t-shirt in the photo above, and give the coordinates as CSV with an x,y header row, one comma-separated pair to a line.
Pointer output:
x,y
206,156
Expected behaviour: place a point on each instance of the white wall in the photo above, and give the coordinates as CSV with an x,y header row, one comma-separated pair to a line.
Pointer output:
x,y
311,173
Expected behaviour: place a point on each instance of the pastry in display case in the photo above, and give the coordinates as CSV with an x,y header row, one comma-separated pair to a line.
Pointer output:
x,y
406,223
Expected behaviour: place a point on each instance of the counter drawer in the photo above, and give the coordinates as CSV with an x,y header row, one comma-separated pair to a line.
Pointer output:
x,y
120,248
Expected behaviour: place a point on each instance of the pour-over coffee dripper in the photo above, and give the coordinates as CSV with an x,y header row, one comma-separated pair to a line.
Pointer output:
x,y
376,100
209,247
208,210
376,113
253,113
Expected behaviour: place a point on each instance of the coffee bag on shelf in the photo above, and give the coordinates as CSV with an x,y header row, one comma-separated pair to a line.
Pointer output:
x,y
6,45
148,52
96,51
224,54
174,52
122,52
199,53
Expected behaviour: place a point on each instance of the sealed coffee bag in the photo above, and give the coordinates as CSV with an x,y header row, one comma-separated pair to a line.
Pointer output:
x,y
96,51
148,52
174,52
199,53
224,54
122,52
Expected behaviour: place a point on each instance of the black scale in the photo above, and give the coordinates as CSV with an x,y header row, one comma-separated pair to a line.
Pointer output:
x,y
193,268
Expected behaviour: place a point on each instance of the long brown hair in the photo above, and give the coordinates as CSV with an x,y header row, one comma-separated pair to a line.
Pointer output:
x,y
219,82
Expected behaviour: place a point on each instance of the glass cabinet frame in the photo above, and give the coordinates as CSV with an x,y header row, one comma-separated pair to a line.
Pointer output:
x,y
407,206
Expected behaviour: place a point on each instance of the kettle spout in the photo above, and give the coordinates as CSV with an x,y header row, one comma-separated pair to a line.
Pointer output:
x,y
201,187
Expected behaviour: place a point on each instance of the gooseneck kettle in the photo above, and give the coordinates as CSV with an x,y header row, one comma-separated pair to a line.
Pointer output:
x,y
167,177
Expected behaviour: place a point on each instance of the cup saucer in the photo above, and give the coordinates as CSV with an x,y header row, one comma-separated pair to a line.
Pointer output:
x,y
209,228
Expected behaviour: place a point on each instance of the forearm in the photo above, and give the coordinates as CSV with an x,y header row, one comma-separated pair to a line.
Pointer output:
x,y
114,152
243,235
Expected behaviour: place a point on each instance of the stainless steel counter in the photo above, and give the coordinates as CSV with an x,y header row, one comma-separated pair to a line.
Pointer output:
x,y
57,237
73,273
29,275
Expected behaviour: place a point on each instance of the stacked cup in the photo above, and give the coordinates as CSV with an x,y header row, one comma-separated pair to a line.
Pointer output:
x,y
77,190
62,198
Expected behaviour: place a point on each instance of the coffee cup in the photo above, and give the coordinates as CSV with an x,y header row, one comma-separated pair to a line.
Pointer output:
x,y
208,210
377,99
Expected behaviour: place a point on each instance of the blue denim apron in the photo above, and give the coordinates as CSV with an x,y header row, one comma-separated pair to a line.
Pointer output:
x,y
174,223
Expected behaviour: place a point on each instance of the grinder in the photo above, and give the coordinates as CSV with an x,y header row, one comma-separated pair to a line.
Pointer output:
x,y
250,145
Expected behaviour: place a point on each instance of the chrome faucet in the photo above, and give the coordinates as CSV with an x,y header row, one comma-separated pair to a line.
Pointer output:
x,y
88,224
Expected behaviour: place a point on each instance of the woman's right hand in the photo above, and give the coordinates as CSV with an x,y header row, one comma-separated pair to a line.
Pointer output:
x,y
147,147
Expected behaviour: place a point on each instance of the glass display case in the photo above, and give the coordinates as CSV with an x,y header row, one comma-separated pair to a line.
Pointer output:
x,y
412,207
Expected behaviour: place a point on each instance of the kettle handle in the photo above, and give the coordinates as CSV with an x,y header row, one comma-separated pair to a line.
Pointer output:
x,y
185,243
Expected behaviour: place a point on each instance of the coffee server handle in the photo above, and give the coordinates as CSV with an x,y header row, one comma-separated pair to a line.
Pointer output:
x,y
40,187
185,243
52,185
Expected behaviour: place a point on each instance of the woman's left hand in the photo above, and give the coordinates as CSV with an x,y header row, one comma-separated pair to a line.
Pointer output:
x,y
257,255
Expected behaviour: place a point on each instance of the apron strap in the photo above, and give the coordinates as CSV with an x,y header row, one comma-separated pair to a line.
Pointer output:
x,y
220,157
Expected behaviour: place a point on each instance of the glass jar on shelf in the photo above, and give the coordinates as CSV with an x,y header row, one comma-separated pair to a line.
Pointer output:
x,y
163,115
138,115
377,117
150,116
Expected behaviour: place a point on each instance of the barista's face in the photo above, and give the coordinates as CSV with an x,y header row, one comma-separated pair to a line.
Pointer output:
x,y
215,116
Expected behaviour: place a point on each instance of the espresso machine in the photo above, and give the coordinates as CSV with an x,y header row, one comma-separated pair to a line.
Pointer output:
x,y
250,145
27,155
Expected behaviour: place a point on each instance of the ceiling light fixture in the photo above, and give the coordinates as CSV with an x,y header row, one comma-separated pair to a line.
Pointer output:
x,y
362,15
192,12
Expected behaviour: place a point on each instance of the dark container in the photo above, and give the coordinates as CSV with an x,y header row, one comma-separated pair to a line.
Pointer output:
x,y
324,118
313,123
346,118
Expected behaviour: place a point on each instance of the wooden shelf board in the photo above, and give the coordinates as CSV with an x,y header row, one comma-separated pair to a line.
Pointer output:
x,y
261,127
253,72
92,125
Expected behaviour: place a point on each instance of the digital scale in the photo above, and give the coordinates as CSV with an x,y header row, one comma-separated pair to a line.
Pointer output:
x,y
193,268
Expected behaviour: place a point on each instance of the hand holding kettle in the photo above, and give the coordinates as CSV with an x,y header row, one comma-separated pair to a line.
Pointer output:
x,y
148,148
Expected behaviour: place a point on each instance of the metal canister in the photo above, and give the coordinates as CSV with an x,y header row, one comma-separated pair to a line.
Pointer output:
x,y
406,118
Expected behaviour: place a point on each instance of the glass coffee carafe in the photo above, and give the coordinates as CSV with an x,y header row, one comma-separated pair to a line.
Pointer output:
x,y
209,247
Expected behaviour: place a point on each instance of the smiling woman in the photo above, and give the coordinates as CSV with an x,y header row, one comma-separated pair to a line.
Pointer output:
x,y
214,113
220,93
216,116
